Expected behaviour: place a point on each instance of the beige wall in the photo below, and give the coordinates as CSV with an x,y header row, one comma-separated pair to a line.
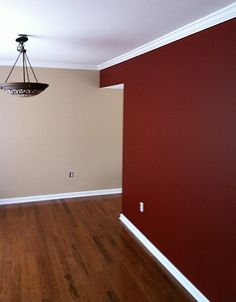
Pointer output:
x,y
72,126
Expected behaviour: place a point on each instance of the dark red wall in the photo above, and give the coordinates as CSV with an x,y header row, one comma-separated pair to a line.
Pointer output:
x,y
180,153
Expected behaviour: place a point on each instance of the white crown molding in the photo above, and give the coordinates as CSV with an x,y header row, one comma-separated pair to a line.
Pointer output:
x,y
54,65
59,196
65,65
163,260
118,86
222,15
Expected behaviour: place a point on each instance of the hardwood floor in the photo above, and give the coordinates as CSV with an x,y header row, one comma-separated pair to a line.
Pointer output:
x,y
77,250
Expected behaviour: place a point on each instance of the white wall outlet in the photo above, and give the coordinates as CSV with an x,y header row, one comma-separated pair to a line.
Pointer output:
x,y
141,206
71,174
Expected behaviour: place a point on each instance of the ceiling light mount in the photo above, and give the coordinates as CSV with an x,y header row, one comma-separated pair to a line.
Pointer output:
x,y
25,88
22,38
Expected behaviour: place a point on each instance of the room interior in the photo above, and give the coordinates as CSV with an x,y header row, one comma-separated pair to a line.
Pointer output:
x,y
143,110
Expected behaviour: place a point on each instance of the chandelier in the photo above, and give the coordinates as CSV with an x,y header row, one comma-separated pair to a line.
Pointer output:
x,y
25,88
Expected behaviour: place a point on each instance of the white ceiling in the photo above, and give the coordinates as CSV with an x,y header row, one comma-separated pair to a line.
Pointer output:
x,y
86,33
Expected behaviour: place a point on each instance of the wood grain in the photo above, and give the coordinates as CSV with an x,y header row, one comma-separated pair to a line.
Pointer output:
x,y
77,250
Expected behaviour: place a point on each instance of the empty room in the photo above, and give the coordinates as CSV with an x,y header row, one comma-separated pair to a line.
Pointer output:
x,y
118,151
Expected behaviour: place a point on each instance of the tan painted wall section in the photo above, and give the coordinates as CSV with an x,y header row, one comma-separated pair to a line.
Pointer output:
x,y
72,126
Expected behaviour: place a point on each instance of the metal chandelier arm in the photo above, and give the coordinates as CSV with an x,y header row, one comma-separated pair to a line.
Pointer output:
x,y
27,73
13,67
31,67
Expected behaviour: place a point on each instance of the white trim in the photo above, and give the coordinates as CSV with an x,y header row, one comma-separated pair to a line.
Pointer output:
x,y
55,65
118,86
222,15
164,261
59,196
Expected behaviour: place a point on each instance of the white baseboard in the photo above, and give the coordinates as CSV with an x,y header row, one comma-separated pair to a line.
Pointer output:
x,y
164,261
59,196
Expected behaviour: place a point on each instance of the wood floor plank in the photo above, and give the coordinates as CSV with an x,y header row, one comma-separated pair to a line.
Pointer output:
x,y
77,250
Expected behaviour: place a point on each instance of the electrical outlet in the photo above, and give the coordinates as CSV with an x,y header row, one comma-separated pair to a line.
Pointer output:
x,y
141,206
71,174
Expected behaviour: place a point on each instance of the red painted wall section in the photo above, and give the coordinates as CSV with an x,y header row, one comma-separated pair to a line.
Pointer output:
x,y
180,153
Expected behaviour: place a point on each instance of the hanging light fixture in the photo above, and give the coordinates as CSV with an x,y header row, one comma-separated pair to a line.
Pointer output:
x,y
25,88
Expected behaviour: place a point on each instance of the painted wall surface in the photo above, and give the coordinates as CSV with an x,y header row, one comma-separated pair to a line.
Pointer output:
x,y
72,126
180,153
